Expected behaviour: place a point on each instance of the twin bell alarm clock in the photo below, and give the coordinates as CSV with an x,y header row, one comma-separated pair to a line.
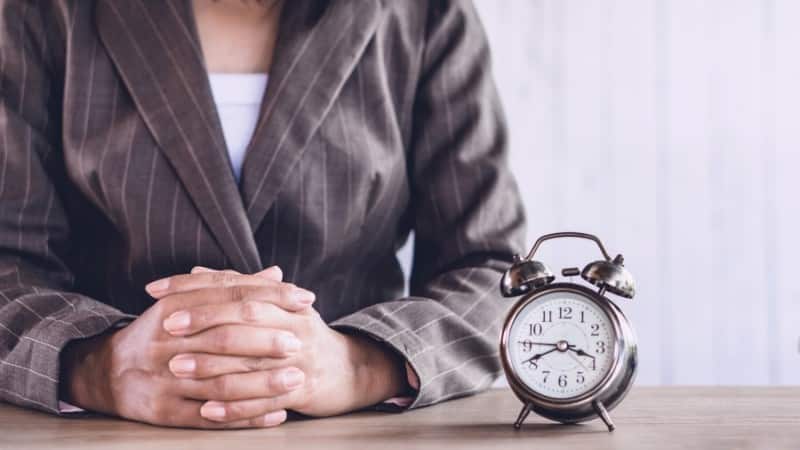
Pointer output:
x,y
568,351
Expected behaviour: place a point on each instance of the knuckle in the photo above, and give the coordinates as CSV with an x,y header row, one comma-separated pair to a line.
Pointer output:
x,y
254,364
278,340
273,383
160,413
205,365
284,292
235,410
220,278
221,387
224,340
251,311
160,308
228,279
256,422
201,317
272,403
153,352
237,293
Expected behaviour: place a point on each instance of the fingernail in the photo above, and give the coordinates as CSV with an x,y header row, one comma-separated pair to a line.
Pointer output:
x,y
293,378
212,410
197,269
274,418
157,286
178,321
302,296
289,343
182,365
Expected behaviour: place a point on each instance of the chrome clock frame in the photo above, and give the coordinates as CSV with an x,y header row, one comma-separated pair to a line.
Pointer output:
x,y
606,394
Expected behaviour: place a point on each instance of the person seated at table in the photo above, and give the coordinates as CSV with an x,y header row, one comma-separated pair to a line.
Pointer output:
x,y
201,203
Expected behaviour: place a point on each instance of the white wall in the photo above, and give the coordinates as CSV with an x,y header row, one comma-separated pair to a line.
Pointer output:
x,y
671,128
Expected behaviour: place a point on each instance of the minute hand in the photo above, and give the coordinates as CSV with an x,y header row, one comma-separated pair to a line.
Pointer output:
x,y
537,356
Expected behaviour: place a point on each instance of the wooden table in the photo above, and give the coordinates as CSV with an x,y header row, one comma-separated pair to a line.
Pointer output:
x,y
650,418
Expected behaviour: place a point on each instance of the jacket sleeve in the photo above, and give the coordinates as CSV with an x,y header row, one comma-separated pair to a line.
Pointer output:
x,y
469,219
39,314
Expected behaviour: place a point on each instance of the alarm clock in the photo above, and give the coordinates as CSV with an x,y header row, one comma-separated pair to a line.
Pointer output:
x,y
569,353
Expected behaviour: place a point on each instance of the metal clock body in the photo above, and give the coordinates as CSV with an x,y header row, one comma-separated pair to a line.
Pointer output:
x,y
569,353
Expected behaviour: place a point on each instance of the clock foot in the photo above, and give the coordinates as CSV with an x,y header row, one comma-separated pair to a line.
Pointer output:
x,y
601,411
526,409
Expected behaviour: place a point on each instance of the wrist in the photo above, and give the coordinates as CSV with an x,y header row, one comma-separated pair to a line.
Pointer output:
x,y
84,369
380,371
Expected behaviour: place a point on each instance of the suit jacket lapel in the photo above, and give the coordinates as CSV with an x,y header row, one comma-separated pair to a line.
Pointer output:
x,y
158,57
313,58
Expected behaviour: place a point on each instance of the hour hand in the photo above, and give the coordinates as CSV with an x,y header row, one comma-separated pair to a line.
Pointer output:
x,y
580,352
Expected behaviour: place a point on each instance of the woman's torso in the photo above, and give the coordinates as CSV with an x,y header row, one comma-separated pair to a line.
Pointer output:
x,y
325,191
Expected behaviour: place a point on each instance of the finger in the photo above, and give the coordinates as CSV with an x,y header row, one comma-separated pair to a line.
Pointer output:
x,y
206,279
273,272
256,308
237,411
204,365
188,415
272,384
241,340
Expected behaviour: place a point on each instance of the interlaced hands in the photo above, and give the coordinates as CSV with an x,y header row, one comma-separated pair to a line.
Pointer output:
x,y
221,349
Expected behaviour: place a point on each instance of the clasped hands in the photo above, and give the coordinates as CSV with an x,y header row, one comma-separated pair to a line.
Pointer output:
x,y
219,349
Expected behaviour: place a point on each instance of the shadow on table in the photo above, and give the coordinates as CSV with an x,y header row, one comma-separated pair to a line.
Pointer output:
x,y
482,431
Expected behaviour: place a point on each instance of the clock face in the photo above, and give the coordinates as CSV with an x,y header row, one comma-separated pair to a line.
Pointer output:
x,y
561,345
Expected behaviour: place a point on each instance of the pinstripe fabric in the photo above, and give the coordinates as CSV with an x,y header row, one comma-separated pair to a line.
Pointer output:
x,y
380,118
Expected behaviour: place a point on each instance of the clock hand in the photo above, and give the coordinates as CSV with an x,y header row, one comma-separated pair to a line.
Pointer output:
x,y
580,352
553,344
537,356
578,361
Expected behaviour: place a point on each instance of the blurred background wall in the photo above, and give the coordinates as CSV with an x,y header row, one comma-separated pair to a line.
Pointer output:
x,y
671,129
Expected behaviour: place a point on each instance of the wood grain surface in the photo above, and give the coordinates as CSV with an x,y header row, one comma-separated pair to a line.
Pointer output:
x,y
650,418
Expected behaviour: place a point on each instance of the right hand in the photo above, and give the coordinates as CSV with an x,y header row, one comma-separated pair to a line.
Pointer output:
x,y
127,372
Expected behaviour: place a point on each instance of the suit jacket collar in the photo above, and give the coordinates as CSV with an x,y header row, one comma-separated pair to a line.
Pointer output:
x,y
157,53
311,63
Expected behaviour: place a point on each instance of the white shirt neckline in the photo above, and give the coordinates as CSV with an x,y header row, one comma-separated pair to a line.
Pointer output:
x,y
238,98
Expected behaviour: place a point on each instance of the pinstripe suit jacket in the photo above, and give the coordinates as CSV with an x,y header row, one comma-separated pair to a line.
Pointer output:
x,y
381,118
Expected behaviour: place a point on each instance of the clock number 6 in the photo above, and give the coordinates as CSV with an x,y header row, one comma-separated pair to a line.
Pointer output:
x,y
562,381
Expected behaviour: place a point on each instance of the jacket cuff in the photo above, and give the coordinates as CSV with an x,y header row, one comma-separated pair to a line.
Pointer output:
x,y
405,344
37,384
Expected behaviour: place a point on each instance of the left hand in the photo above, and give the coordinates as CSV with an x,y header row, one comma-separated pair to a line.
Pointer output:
x,y
342,372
